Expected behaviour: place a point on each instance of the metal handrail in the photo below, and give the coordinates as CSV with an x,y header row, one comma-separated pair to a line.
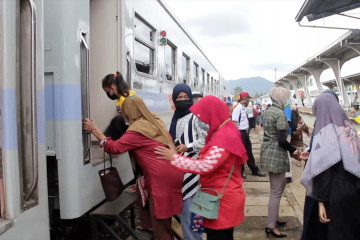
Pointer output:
x,y
87,79
34,181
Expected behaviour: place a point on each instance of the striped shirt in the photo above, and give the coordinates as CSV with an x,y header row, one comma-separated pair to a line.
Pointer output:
x,y
193,136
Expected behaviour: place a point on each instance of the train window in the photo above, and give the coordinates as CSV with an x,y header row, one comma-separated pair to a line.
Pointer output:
x,y
208,84
143,30
144,58
85,95
170,61
212,85
27,111
144,47
203,78
196,74
185,68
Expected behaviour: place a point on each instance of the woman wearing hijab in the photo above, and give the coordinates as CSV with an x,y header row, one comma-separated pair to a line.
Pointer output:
x,y
187,129
274,156
332,172
223,150
162,182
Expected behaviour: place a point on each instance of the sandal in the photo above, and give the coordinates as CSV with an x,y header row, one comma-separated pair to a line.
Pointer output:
x,y
131,189
143,228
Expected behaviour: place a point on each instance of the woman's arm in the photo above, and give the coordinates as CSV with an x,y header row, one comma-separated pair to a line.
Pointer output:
x,y
90,126
207,163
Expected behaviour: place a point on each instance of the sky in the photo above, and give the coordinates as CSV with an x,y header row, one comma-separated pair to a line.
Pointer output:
x,y
250,38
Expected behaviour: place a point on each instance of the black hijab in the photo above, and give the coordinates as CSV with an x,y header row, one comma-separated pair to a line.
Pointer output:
x,y
182,87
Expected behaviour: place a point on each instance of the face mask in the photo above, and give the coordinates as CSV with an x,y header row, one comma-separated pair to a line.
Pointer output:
x,y
287,104
127,123
112,97
204,126
183,104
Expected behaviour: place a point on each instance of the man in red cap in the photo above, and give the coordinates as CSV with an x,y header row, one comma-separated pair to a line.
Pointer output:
x,y
239,117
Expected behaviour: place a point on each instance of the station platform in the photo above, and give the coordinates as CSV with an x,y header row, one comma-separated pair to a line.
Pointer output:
x,y
257,191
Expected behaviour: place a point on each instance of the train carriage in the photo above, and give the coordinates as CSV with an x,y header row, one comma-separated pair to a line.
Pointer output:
x,y
54,54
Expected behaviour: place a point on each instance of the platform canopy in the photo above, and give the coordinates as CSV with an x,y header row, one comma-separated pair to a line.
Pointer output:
x,y
316,9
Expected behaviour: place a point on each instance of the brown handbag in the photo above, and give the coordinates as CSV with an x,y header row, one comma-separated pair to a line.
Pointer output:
x,y
110,181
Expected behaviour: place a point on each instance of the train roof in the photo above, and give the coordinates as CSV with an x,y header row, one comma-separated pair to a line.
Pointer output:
x,y
316,9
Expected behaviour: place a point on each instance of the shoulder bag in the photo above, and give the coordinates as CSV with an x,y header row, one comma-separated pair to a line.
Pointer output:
x,y
207,205
110,181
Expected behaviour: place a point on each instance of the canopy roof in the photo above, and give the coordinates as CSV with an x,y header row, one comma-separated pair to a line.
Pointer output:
x,y
315,9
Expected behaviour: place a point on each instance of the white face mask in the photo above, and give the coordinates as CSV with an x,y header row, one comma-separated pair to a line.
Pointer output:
x,y
204,126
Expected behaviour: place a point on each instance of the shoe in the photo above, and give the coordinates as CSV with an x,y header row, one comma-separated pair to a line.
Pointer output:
x,y
243,176
271,232
259,174
280,224
145,229
288,180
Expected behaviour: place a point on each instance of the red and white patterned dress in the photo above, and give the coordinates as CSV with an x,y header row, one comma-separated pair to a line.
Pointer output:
x,y
214,167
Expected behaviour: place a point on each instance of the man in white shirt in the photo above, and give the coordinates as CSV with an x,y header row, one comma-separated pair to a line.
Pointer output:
x,y
240,118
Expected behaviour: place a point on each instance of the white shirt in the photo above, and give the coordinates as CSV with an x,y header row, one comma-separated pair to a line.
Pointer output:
x,y
244,122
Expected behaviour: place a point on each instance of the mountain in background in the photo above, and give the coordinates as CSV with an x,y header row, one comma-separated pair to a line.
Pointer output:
x,y
252,85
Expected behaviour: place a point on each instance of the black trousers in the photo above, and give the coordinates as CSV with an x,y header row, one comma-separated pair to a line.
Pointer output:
x,y
247,144
220,234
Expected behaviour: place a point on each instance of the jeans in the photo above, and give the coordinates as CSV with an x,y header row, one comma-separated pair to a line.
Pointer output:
x,y
185,218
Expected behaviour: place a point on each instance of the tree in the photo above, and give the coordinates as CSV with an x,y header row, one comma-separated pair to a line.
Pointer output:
x,y
237,91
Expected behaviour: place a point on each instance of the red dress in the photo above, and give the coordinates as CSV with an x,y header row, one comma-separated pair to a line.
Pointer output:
x,y
162,181
214,167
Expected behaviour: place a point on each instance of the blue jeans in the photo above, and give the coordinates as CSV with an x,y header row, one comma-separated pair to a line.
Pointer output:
x,y
185,218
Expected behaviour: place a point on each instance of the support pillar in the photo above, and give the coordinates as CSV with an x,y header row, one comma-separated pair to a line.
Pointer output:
x,y
302,78
292,81
335,65
316,72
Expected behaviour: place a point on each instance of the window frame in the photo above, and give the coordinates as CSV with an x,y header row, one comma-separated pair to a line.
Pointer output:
x,y
151,45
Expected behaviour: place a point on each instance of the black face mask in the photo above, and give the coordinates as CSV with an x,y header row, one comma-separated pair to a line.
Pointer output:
x,y
183,104
112,97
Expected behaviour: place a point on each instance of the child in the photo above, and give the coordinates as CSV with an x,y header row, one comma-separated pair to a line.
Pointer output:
x,y
296,136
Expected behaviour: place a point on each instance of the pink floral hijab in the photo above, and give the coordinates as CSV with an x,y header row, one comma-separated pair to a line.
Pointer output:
x,y
334,140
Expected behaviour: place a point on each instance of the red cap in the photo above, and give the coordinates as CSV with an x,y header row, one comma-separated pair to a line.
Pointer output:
x,y
244,94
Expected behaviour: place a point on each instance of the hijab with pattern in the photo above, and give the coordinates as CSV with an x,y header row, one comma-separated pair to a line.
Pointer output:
x,y
222,131
143,121
280,95
334,140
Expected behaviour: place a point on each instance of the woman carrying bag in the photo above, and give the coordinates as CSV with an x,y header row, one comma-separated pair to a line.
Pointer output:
x,y
222,153
162,184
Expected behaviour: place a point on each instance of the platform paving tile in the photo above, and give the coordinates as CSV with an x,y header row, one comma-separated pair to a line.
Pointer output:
x,y
263,211
263,201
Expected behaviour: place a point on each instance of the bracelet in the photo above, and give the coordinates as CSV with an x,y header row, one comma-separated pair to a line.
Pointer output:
x,y
102,142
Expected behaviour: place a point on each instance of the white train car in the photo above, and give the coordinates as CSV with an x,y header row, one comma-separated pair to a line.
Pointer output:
x,y
54,54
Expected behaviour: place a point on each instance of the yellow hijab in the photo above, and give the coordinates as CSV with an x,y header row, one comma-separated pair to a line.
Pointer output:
x,y
143,121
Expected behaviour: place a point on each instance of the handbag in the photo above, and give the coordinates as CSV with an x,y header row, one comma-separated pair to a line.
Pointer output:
x,y
207,205
110,181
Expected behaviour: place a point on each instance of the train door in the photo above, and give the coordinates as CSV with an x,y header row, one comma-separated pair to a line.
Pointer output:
x,y
79,52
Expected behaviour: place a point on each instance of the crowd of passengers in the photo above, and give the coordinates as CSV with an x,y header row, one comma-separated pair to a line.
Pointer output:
x,y
205,150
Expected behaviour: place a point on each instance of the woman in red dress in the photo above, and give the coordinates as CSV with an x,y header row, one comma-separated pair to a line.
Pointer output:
x,y
162,182
223,150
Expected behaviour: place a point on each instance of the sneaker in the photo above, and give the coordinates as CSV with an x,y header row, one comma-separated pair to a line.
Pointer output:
x,y
243,175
